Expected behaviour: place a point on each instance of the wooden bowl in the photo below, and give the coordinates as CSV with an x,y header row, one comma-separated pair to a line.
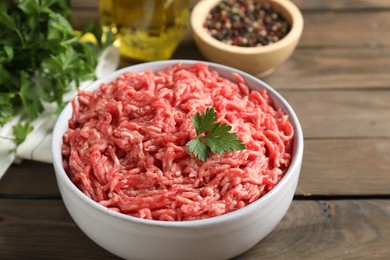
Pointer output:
x,y
258,61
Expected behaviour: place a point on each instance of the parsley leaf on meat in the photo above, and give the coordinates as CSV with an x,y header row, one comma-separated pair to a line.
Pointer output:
x,y
212,136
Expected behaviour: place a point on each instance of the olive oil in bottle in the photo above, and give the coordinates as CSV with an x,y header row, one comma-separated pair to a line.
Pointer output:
x,y
145,30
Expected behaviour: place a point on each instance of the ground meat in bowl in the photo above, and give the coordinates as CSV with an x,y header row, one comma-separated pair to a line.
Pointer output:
x,y
126,144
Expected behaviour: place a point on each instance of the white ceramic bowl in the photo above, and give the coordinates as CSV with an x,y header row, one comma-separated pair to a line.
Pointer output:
x,y
219,237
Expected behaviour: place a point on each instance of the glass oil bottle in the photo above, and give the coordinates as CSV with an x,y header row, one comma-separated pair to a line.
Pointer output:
x,y
145,30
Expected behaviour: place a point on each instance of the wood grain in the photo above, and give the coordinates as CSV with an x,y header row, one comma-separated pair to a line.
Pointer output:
x,y
334,68
335,229
342,114
28,180
337,29
42,229
341,5
346,229
352,167
85,4
82,17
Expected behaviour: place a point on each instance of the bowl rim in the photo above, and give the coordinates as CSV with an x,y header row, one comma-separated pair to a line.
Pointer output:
x,y
294,168
202,8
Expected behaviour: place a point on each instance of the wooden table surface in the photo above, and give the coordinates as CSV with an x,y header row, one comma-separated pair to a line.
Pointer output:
x,y
338,82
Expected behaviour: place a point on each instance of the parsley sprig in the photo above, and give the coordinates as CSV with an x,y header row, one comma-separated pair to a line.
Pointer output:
x,y
212,136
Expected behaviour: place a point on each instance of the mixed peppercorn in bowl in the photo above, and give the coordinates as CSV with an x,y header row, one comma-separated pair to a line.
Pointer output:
x,y
255,36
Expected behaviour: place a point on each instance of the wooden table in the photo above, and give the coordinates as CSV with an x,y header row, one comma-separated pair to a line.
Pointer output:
x,y
338,81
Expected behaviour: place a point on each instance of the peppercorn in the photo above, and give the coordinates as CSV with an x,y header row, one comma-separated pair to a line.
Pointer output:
x,y
246,23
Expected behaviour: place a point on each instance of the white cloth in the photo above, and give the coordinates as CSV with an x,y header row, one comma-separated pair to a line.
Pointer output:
x,y
37,145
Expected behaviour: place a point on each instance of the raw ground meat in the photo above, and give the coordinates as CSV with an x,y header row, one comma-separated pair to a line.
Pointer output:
x,y
126,144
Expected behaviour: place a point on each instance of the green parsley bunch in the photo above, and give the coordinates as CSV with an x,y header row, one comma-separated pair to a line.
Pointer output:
x,y
40,57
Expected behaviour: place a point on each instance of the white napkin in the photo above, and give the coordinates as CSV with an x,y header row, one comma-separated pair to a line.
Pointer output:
x,y
37,145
